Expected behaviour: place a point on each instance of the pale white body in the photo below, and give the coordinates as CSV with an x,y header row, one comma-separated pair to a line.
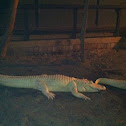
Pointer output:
x,y
54,83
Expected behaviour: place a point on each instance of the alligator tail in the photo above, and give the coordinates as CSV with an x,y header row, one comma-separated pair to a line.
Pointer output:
x,y
112,82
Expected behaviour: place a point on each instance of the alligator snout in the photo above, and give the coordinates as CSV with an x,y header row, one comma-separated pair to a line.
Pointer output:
x,y
99,87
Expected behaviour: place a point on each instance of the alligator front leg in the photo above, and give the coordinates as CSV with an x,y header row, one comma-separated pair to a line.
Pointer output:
x,y
74,91
43,87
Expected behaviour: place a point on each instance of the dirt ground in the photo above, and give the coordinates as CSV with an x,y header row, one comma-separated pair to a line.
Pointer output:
x,y
27,107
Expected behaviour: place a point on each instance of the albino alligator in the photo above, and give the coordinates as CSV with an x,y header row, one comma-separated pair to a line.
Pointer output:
x,y
59,83
54,83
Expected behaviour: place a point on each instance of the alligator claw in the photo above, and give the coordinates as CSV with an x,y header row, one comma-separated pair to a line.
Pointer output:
x,y
51,96
86,98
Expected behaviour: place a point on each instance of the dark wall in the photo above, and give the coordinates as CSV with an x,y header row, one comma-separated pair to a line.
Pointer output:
x,y
5,3
60,19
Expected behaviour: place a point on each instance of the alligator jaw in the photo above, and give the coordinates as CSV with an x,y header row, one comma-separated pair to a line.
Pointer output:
x,y
98,87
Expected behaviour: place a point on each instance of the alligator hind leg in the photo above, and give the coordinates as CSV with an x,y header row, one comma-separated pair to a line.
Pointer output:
x,y
43,87
73,87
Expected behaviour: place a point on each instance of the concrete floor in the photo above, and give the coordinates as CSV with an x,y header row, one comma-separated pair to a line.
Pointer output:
x,y
26,107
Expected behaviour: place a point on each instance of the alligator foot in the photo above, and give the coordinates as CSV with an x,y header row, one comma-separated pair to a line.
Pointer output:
x,y
43,87
49,95
75,92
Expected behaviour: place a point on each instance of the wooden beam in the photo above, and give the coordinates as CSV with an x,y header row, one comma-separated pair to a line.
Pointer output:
x,y
74,23
26,25
9,32
118,12
36,3
83,28
97,13
59,6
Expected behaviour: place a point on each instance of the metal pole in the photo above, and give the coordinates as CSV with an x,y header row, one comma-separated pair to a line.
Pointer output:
x,y
83,28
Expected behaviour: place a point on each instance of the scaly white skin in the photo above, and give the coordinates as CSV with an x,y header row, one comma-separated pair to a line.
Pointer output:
x,y
76,93
43,87
72,85
54,83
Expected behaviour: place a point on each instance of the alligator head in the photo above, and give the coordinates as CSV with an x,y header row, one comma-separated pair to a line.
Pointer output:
x,y
85,85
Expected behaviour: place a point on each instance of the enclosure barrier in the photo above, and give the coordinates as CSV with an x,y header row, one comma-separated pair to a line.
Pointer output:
x,y
75,9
